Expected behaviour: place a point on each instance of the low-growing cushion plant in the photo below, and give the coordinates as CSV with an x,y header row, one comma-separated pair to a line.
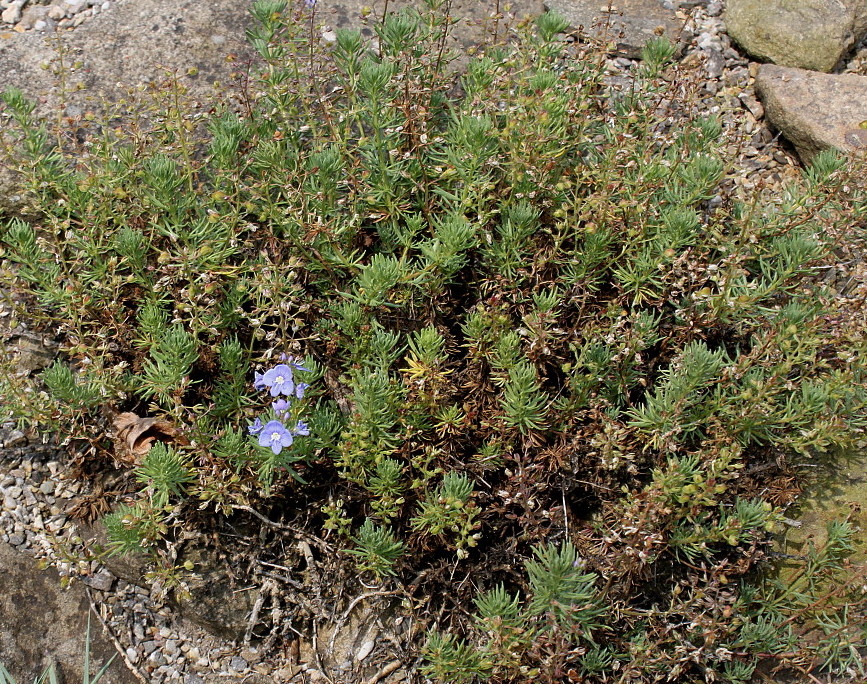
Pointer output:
x,y
510,324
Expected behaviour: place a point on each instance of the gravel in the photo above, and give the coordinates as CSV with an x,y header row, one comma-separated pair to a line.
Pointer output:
x,y
58,16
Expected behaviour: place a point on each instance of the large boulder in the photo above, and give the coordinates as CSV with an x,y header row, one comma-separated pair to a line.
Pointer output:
x,y
808,34
43,624
627,24
815,111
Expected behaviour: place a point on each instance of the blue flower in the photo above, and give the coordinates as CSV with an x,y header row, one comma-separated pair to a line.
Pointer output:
x,y
258,382
310,3
280,406
275,436
280,380
299,389
255,428
301,428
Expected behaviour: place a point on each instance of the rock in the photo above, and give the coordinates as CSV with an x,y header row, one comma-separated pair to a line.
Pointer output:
x,y
238,664
75,6
630,25
808,34
840,493
56,12
815,111
30,353
100,580
15,438
12,14
41,621
32,15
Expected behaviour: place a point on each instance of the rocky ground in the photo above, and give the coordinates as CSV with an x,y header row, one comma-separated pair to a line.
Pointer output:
x,y
154,640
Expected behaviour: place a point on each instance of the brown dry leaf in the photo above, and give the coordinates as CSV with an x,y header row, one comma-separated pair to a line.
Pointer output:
x,y
134,436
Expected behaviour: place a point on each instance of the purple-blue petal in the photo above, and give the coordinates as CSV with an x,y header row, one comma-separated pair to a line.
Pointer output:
x,y
255,428
299,389
280,380
276,436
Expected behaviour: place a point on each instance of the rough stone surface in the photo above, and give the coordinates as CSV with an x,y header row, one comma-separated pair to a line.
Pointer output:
x,y
808,34
41,623
629,24
815,111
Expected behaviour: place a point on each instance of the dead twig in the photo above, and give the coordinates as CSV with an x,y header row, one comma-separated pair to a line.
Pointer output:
x,y
280,526
384,672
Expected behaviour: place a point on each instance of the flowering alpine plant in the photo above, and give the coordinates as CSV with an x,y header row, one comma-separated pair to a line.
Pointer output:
x,y
279,429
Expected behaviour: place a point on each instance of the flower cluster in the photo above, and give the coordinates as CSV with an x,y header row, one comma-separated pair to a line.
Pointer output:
x,y
279,381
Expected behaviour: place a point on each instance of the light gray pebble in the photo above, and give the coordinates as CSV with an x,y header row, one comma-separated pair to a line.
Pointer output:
x,y
714,9
75,6
156,659
15,492
132,655
16,539
753,105
138,631
15,438
251,655
171,647
47,487
100,580
715,63
238,664
193,679
12,14
149,646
